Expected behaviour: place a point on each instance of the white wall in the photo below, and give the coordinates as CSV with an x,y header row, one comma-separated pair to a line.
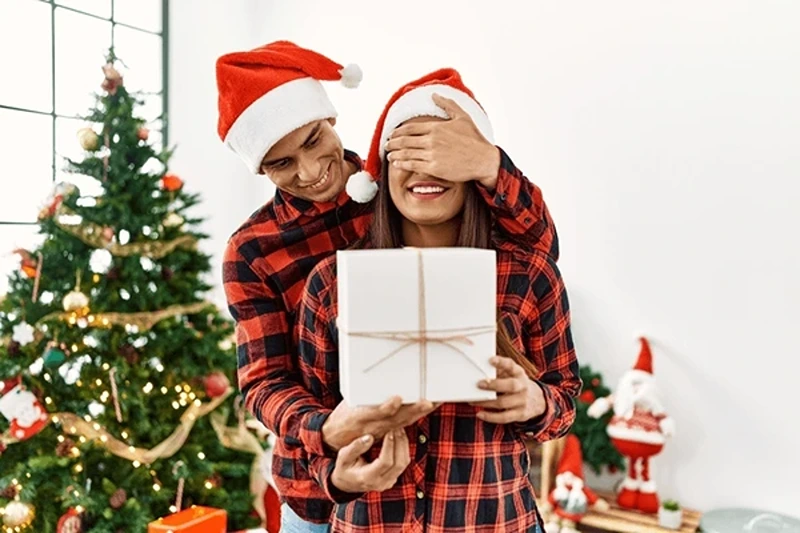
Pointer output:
x,y
201,31
665,137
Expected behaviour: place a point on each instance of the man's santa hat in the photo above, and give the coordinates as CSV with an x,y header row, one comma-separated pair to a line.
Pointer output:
x,y
414,99
268,92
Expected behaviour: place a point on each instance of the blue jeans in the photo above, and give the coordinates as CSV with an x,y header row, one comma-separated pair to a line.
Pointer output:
x,y
291,523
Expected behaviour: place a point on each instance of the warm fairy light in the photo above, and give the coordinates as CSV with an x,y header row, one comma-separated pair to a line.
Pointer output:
x,y
79,508
78,468
209,485
47,377
159,367
164,390
201,455
156,487
178,388
60,438
132,450
55,419
183,402
124,434
173,509
87,418
14,481
147,388
96,278
74,347
72,320
187,388
192,396
105,321
103,438
28,475
106,366
75,451
76,493
78,383
104,396
91,319
48,400
73,430
137,464
96,426
198,403
82,439
176,405
98,382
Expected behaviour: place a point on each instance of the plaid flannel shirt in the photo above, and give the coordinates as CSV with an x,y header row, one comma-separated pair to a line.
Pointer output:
x,y
266,263
465,474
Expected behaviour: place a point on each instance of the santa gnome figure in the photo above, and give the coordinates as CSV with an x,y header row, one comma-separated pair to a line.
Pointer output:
x,y
25,414
571,498
638,430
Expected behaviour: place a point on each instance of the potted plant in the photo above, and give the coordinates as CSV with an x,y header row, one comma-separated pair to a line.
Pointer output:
x,y
670,515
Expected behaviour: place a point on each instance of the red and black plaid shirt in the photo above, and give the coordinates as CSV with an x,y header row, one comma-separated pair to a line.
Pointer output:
x,y
265,267
465,474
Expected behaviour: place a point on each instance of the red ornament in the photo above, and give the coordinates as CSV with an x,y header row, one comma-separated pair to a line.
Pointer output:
x,y
596,382
171,183
113,79
587,396
216,384
143,133
70,522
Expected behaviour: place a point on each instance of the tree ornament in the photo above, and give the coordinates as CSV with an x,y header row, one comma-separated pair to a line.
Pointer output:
x,y
216,384
18,514
20,406
143,133
118,499
171,183
64,448
10,492
22,333
27,263
113,79
54,355
13,348
129,353
77,302
172,220
100,261
88,139
70,522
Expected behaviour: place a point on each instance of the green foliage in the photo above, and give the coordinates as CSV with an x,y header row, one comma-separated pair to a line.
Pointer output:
x,y
598,452
151,366
671,505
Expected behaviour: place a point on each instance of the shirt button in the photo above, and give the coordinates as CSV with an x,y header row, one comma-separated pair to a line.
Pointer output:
x,y
528,220
422,438
420,495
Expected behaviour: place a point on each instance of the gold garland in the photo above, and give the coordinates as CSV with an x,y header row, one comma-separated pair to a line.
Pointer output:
x,y
76,425
239,438
92,234
143,320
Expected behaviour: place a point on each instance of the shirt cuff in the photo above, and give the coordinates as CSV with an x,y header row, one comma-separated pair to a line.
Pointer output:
x,y
311,436
538,425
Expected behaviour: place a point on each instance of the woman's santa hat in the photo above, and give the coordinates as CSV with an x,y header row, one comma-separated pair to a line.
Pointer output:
x,y
268,92
415,99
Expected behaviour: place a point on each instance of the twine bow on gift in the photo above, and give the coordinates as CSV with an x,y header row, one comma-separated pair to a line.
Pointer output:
x,y
424,336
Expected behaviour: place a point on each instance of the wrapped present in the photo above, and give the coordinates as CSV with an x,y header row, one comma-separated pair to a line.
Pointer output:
x,y
416,323
195,519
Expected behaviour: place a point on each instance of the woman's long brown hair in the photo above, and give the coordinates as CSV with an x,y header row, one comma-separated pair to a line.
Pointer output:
x,y
475,232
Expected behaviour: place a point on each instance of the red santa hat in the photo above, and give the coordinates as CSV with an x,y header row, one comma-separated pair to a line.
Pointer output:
x,y
268,92
412,100
7,384
645,361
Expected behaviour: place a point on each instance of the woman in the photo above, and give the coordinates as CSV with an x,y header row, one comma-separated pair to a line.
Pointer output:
x,y
464,467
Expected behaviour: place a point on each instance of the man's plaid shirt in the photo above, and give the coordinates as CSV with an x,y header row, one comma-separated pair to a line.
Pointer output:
x,y
265,267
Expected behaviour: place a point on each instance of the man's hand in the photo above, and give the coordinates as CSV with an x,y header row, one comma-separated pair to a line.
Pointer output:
x,y
452,150
355,475
519,399
346,423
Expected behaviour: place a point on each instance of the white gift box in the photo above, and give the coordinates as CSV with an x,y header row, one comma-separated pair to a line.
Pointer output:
x,y
419,323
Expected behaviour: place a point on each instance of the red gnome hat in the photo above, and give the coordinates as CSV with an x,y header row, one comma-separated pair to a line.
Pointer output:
x,y
645,361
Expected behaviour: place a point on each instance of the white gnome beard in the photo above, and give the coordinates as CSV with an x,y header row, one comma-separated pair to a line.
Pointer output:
x,y
644,397
28,416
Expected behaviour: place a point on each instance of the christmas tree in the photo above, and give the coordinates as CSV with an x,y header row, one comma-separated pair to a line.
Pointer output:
x,y
598,452
115,372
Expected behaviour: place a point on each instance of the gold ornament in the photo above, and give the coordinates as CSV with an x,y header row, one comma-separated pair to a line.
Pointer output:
x,y
76,302
88,139
172,220
142,321
18,514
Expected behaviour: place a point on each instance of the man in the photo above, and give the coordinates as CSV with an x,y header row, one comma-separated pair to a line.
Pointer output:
x,y
274,113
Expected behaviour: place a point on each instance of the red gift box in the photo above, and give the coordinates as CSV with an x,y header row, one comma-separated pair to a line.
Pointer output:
x,y
193,520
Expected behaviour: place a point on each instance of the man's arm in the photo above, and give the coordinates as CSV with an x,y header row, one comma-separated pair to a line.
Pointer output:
x,y
267,375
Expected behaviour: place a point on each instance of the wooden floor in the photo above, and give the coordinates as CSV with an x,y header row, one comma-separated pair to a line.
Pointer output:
x,y
624,521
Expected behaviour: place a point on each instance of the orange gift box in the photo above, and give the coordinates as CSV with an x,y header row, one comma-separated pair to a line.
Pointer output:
x,y
193,520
